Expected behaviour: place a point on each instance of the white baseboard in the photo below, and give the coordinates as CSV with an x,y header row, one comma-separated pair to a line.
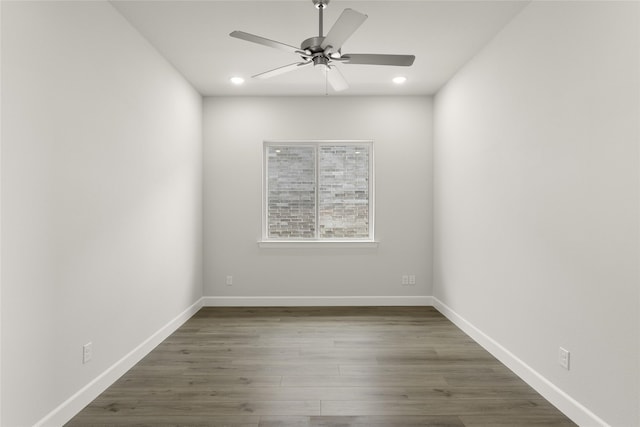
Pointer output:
x,y
569,406
565,403
70,407
317,301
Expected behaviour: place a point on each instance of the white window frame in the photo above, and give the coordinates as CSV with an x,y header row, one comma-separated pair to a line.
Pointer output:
x,y
267,242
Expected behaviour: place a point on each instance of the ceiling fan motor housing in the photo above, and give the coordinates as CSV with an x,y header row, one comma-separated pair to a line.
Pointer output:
x,y
313,45
321,60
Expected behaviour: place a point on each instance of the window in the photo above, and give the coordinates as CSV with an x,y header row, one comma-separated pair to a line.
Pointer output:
x,y
318,191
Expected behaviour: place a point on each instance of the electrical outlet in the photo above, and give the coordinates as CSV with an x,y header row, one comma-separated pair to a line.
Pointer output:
x,y
405,279
412,279
229,280
563,358
87,352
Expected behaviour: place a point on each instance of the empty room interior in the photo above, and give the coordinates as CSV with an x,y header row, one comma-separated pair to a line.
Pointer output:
x,y
198,230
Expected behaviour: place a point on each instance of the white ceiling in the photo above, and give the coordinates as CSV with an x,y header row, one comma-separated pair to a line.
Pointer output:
x,y
194,37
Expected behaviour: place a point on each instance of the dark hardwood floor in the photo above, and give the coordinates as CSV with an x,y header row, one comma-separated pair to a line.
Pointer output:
x,y
319,367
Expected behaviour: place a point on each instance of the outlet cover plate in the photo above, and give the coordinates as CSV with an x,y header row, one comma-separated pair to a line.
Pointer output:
x,y
563,358
87,352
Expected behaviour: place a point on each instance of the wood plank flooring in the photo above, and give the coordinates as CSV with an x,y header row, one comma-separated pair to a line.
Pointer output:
x,y
319,367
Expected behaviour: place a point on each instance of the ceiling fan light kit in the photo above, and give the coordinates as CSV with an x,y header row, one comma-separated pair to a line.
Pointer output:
x,y
323,51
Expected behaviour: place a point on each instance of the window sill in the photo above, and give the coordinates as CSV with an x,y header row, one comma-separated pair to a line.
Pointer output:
x,y
342,244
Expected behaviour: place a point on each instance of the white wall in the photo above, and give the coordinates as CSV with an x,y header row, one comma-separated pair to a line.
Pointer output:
x,y
234,130
537,197
101,198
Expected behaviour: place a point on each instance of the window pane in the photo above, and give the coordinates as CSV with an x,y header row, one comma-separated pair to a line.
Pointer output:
x,y
343,191
291,195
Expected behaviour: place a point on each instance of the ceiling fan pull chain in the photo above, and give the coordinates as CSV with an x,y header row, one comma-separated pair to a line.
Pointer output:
x,y
326,82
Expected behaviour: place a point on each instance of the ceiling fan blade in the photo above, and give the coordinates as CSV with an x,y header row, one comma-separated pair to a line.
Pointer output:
x,y
266,42
345,26
281,70
336,79
375,59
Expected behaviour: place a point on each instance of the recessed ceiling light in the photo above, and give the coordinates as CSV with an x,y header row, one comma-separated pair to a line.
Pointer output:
x,y
236,80
399,80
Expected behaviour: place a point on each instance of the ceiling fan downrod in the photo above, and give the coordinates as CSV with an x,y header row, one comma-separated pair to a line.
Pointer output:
x,y
320,5
313,44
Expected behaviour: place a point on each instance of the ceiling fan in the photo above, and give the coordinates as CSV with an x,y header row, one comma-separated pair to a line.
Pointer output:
x,y
323,51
